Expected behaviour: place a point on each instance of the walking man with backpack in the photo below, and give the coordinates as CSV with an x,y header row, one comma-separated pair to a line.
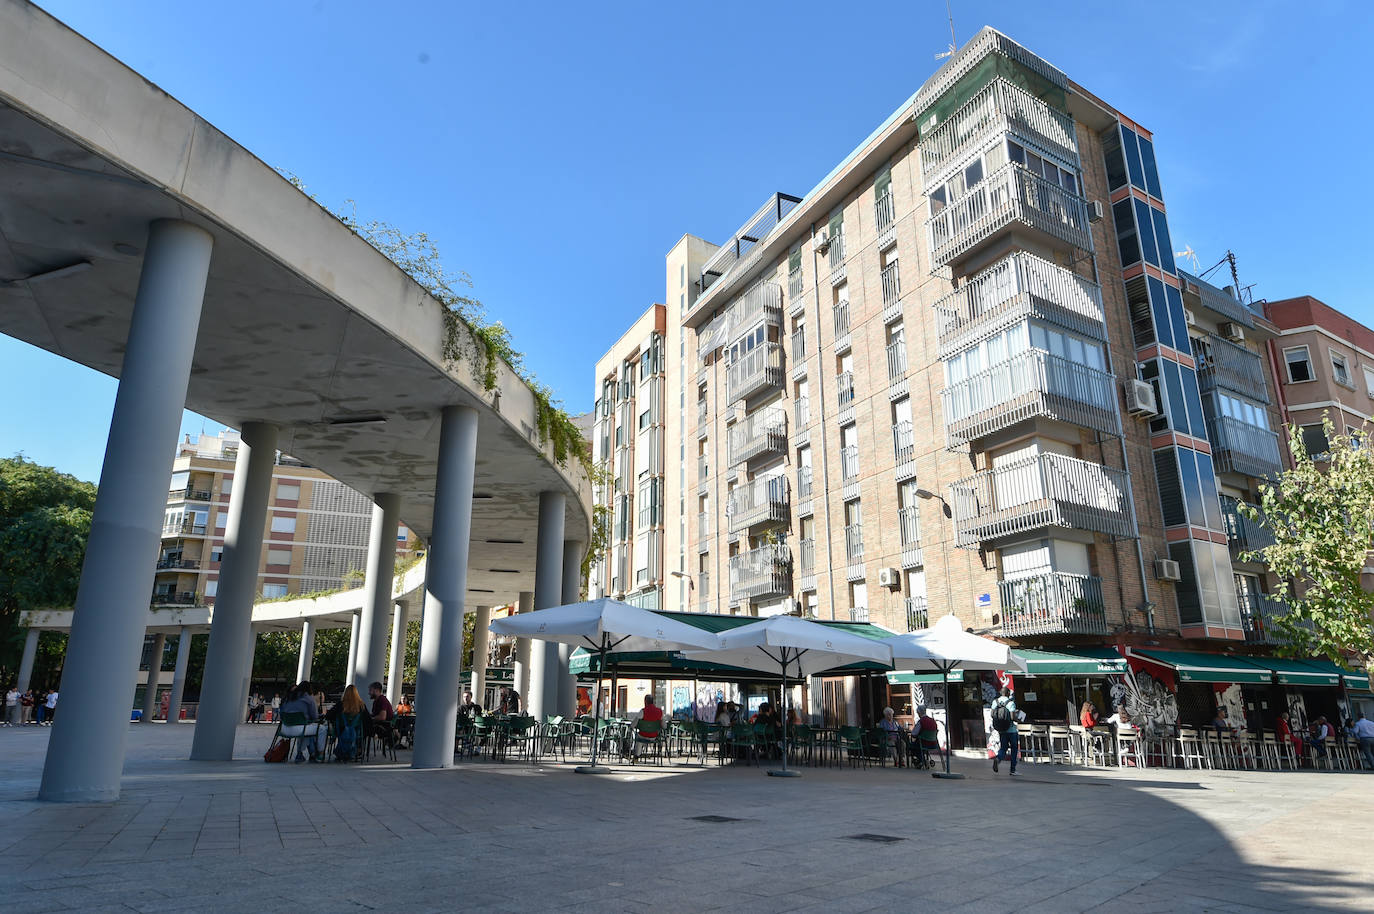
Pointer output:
x,y
1004,722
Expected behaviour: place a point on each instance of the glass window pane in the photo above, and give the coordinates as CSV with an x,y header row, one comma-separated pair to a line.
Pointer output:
x,y
1193,400
1018,155
1128,145
1176,315
1147,232
1208,480
1166,251
1159,308
1192,488
1147,157
1176,411
1116,168
1127,240
974,173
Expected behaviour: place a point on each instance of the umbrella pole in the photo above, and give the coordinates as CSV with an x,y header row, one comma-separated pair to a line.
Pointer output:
x,y
594,768
785,772
946,774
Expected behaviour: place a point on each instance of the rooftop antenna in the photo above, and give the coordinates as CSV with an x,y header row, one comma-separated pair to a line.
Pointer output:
x,y
953,46
1189,255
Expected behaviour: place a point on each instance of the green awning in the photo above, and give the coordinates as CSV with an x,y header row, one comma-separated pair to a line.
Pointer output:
x,y
1354,679
1194,667
910,678
1085,661
1290,671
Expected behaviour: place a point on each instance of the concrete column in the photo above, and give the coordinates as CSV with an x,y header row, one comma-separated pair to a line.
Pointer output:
x,y
179,675
381,566
86,749
306,663
28,658
548,592
400,621
229,658
572,592
520,672
352,663
150,685
481,647
441,634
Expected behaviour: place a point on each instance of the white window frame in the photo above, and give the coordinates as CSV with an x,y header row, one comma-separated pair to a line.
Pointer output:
x,y
1368,379
1288,364
283,524
1343,361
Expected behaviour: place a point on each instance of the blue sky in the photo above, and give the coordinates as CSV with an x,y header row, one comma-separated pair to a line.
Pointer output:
x,y
556,151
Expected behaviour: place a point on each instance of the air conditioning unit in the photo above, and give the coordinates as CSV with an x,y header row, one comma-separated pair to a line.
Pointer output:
x,y
889,577
1190,317
1095,211
1232,331
1140,399
1167,570
822,242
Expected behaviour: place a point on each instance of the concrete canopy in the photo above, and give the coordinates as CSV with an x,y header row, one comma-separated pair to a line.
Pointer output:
x,y
305,325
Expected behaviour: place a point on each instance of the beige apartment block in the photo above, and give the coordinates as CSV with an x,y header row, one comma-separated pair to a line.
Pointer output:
x,y
316,528
1325,364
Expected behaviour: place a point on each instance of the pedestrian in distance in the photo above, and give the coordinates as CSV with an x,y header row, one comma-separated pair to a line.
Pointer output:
x,y
1004,722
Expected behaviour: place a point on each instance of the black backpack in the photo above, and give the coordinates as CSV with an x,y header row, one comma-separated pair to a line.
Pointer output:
x,y
1001,716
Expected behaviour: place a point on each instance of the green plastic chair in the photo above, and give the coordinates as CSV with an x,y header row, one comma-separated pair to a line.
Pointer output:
x,y
294,727
852,745
803,740
648,734
745,739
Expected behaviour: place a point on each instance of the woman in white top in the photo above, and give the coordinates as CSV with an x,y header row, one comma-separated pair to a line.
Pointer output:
x,y
1121,719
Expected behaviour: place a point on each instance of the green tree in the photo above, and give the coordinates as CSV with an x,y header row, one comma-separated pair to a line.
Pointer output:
x,y
1321,515
45,520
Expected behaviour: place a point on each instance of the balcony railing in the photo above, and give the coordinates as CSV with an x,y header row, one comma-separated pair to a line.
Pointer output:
x,y
844,389
758,501
703,525
190,493
1221,363
849,463
836,251
794,285
798,345
804,483
1014,288
761,304
917,613
806,560
803,412
183,598
909,526
1010,195
891,282
765,571
1242,533
704,585
1047,490
702,413
174,564
854,542
884,211
896,360
1030,384
763,432
841,315
1239,447
757,370
1053,603
999,106
703,469
903,442
185,526
858,614
1257,615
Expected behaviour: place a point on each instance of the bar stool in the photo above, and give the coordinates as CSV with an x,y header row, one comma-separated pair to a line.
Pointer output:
x,y
1060,734
1192,749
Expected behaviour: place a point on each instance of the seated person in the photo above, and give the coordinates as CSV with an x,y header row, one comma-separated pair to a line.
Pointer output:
x,y
1121,720
310,737
897,739
510,701
651,712
1087,715
405,707
927,733
1321,732
383,714
351,724
1221,724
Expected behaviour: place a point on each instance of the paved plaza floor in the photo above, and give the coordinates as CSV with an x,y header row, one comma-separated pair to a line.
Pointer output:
x,y
245,836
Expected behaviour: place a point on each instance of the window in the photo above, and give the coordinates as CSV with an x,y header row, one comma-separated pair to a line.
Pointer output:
x,y
402,534
179,481
216,553
211,587
1127,239
1340,369
1314,440
1299,364
283,525
1243,410
682,275
226,485
273,590
1369,379
288,492
279,556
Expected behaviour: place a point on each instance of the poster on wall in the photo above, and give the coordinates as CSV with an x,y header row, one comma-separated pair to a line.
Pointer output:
x,y
682,701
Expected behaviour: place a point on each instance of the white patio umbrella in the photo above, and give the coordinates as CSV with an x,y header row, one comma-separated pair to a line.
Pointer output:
x,y
602,626
942,648
794,648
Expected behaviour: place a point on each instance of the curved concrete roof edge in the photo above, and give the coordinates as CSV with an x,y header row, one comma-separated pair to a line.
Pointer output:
x,y
166,144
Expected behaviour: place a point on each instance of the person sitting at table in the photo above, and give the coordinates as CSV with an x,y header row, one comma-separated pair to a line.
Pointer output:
x,y
1121,720
383,714
927,734
351,724
1285,734
793,721
404,707
1321,732
311,738
1087,715
723,718
1221,724
897,739
510,701
651,712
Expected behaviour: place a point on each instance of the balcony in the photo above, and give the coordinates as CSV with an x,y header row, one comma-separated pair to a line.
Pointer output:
x,y
178,564
885,219
805,483
849,464
762,572
858,614
794,285
854,542
1257,615
703,469
1032,384
836,254
703,527
1015,288
703,585
840,313
903,442
190,493
182,598
1239,447
1011,196
896,361
844,390
806,560
1000,106
799,345
1242,534
702,414
909,529
762,304
917,613
1221,363
761,433
891,282
1047,490
187,526
758,501
759,369
803,408
1055,603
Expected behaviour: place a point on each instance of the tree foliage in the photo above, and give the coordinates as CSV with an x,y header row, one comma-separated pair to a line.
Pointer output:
x,y
45,520
1321,515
